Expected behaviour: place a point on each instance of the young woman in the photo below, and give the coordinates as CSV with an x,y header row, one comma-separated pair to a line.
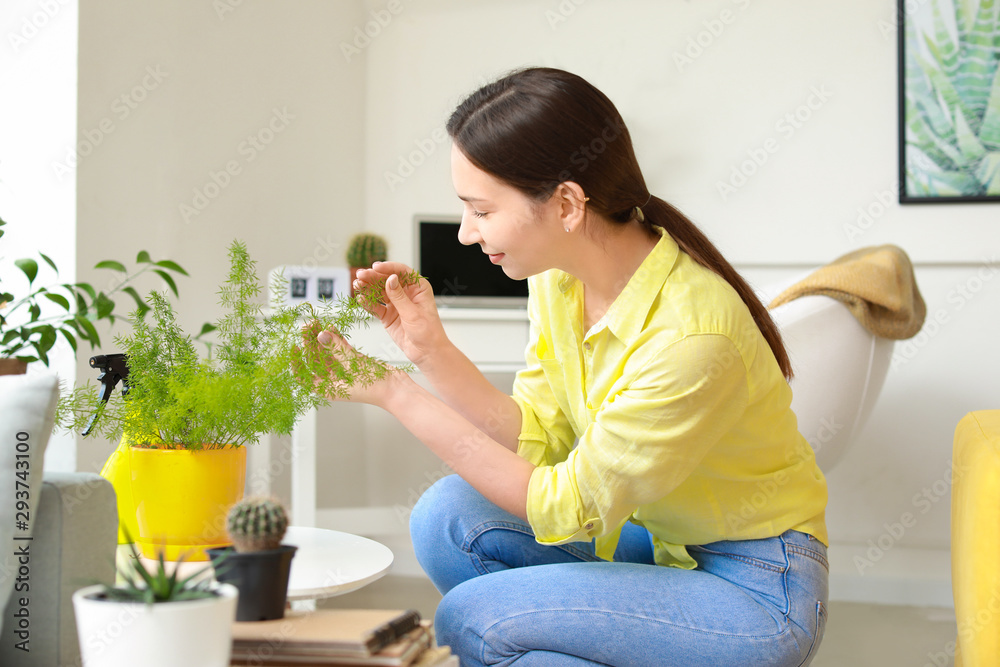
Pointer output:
x,y
644,497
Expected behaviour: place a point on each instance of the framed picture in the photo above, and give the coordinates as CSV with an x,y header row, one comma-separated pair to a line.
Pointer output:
x,y
949,101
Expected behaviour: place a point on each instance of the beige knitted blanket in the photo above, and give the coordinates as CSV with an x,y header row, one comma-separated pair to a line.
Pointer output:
x,y
878,286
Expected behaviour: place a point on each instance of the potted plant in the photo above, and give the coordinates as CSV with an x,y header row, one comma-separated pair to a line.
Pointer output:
x,y
156,618
186,420
363,250
28,326
258,564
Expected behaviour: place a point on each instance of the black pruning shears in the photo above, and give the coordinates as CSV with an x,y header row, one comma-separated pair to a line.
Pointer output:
x,y
114,369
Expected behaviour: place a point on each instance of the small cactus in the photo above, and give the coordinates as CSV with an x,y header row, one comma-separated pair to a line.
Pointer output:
x,y
365,249
256,524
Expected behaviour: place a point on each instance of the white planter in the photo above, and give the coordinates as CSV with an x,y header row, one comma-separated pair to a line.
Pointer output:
x,y
166,634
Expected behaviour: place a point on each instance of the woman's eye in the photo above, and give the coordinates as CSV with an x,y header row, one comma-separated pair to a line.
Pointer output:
x,y
479,214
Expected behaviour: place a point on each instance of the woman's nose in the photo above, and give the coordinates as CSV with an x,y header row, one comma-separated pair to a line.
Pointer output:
x,y
468,230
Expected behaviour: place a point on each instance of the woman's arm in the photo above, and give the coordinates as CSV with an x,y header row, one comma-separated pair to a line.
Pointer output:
x,y
491,468
464,388
410,317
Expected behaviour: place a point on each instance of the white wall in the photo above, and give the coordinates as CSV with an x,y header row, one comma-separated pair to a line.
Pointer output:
x,y
176,95
359,116
37,126
694,113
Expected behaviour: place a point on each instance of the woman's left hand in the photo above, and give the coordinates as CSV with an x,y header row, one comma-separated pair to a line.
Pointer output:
x,y
334,359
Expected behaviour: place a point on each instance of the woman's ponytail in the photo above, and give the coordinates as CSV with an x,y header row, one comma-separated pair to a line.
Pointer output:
x,y
693,241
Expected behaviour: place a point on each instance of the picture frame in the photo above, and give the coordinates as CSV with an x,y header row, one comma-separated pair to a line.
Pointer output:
x,y
948,101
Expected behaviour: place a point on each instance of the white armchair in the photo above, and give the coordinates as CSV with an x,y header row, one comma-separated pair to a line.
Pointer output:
x,y
839,368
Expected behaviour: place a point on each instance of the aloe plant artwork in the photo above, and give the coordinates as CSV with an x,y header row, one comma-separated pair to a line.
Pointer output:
x,y
952,99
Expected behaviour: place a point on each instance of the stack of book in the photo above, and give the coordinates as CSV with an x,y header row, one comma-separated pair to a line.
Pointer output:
x,y
389,637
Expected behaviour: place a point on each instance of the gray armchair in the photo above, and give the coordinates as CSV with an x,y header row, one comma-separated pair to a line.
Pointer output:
x,y
58,531
74,544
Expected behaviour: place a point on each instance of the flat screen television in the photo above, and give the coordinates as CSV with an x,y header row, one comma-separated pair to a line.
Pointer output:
x,y
461,276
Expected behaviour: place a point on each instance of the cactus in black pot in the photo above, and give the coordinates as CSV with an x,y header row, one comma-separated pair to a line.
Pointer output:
x,y
258,564
363,250
256,524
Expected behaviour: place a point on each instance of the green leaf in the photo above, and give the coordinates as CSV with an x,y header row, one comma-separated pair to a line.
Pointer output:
x,y
46,337
58,298
167,278
968,143
70,338
41,352
952,183
49,261
111,264
173,266
989,131
88,333
30,268
206,328
86,287
36,311
143,257
104,305
140,305
988,173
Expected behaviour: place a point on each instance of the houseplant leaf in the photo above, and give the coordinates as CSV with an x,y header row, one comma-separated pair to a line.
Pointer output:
x,y
29,267
111,264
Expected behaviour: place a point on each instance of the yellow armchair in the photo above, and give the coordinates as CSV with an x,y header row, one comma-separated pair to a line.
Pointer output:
x,y
975,538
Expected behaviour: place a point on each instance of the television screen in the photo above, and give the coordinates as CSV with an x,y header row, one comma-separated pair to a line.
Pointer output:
x,y
462,275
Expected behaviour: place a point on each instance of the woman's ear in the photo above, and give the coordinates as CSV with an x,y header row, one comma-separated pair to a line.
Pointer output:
x,y
572,205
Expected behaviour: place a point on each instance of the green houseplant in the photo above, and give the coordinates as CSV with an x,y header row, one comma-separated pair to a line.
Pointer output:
x,y
258,564
29,328
262,373
363,250
158,618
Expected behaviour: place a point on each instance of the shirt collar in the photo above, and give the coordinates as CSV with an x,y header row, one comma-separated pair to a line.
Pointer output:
x,y
629,311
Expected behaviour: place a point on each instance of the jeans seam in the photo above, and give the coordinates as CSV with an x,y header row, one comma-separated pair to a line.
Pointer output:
x,y
749,560
483,528
781,630
809,553
817,631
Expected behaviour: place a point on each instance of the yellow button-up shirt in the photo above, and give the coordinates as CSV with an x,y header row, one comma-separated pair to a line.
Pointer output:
x,y
671,412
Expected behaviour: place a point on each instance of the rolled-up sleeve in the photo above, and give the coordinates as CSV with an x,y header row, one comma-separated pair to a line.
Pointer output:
x,y
643,441
546,436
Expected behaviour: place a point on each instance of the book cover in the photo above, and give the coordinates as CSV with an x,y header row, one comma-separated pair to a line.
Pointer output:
x,y
353,632
408,650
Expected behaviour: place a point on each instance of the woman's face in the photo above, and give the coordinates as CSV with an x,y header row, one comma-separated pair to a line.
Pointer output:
x,y
517,233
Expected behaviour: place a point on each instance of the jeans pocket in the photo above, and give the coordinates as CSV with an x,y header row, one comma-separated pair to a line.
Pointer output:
x,y
754,560
818,632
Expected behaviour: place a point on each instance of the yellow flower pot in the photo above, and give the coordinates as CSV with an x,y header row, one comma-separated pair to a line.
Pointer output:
x,y
116,470
182,496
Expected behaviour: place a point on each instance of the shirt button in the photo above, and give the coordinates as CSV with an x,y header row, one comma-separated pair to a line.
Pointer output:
x,y
586,346
589,525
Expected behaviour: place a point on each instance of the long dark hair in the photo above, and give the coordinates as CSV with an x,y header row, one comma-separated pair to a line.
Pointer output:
x,y
538,127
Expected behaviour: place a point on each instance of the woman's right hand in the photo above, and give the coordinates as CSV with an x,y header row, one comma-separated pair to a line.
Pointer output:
x,y
409,314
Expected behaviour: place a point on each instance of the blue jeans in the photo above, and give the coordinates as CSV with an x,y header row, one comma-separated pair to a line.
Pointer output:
x,y
508,599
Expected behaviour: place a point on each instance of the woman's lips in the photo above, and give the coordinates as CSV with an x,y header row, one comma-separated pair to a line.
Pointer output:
x,y
496,258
